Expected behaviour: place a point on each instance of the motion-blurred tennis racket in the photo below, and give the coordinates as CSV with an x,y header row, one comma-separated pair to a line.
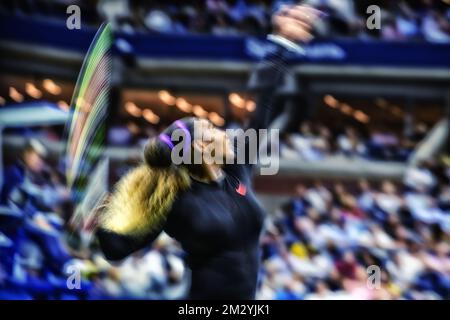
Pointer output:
x,y
85,131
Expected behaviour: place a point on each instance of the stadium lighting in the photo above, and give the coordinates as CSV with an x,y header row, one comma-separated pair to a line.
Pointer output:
x,y
361,116
250,105
236,100
155,119
199,111
331,101
216,119
15,95
32,91
183,105
51,87
132,109
150,116
166,97
345,108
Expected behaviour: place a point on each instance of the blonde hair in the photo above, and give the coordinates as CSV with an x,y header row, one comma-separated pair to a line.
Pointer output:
x,y
142,199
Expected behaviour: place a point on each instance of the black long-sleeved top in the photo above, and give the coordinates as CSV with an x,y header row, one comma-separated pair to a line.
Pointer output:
x,y
218,224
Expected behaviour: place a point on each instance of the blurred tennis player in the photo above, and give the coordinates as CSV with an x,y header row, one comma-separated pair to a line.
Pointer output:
x,y
208,207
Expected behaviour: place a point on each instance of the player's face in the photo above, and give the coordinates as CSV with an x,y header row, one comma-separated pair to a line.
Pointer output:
x,y
215,143
33,161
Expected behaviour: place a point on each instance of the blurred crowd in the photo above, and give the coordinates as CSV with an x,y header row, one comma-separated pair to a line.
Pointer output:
x,y
400,20
43,257
319,245
386,241
314,141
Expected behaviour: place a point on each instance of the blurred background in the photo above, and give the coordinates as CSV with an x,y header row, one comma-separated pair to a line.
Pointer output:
x,y
364,116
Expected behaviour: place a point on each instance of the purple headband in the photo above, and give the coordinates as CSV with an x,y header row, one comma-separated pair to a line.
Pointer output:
x,y
167,140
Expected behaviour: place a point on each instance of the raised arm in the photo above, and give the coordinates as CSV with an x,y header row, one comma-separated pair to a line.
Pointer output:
x,y
264,81
292,25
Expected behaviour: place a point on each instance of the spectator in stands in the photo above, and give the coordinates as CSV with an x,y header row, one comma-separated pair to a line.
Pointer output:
x,y
30,168
406,20
307,144
314,141
435,25
410,249
350,144
420,178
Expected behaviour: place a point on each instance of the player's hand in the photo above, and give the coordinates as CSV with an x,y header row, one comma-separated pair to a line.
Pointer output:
x,y
295,22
